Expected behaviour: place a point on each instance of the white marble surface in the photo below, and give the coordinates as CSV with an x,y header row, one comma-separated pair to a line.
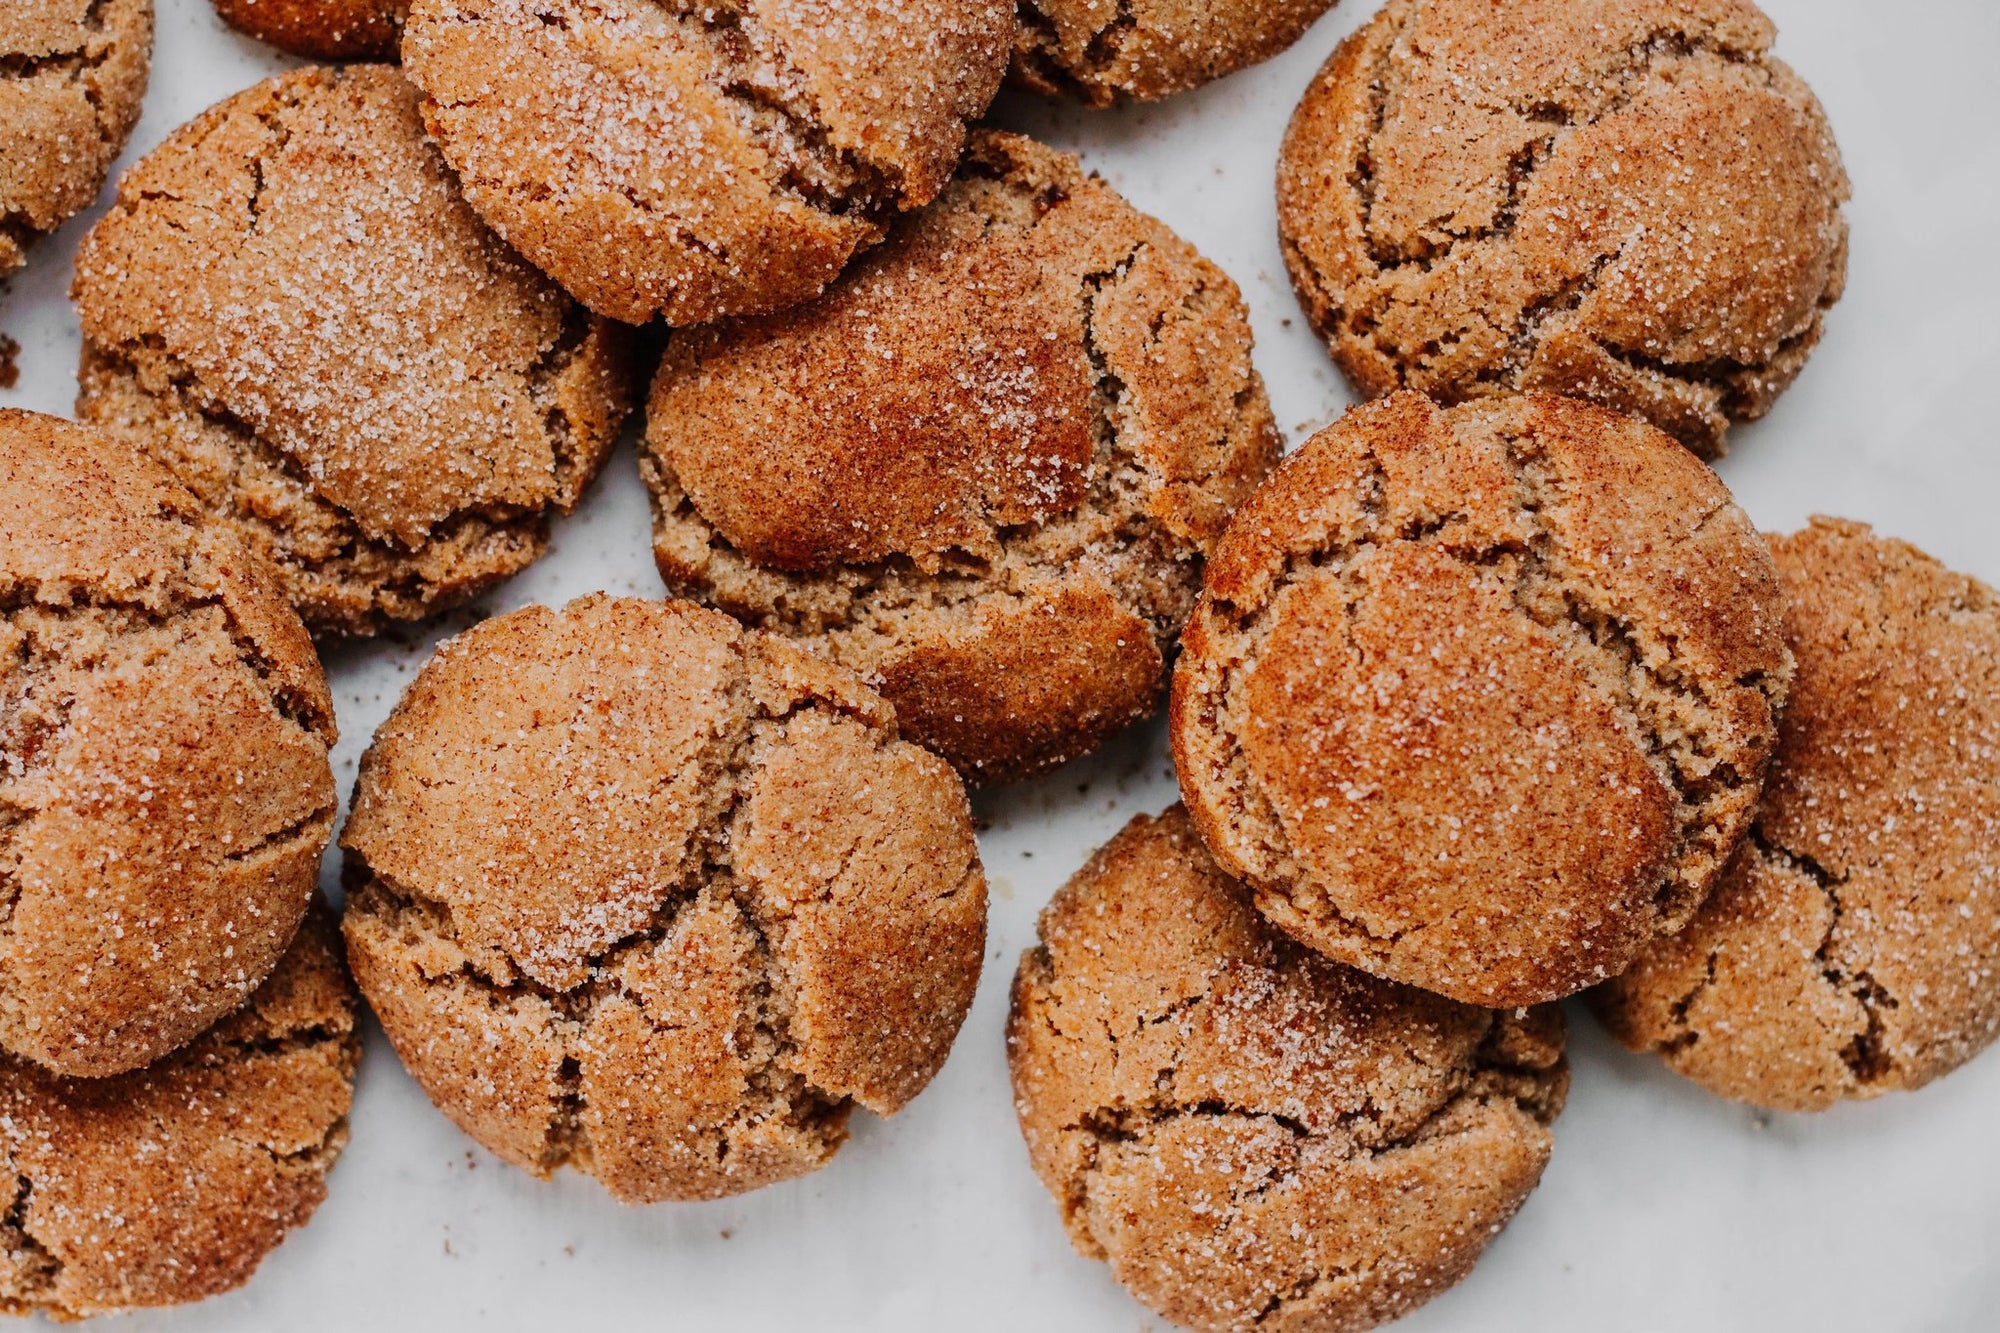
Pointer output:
x,y
1663,1209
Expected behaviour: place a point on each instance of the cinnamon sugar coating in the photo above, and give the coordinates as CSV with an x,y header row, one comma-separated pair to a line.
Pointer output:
x,y
696,161
1099,52
292,308
165,795
1481,699
1251,1135
983,470
322,29
1629,201
635,891
72,76
1854,946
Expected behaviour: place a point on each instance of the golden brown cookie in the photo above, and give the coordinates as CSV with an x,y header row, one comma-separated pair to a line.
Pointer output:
x,y
694,161
165,795
321,29
1481,699
1629,201
1098,52
171,1183
1854,946
293,309
638,892
983,470
72,75
1252,1136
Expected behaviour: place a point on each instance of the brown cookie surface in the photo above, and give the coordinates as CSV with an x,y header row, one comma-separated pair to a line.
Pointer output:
x,y
1481,699
165,795
1251,1135
1854,946
322,29
691,162
72,76
1629,201
983,470
638,892
1149,49
172,1183
293,309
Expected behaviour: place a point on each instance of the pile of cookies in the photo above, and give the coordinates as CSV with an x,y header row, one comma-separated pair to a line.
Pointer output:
x,y
1486,696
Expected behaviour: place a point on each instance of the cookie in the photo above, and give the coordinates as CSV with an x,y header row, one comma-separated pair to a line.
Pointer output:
x,y
1854,946
1629,201
1143,50
171,1183
691,163
1251,1135
1481,699
293,309
165,795
638,892
72,75
321,29
982,471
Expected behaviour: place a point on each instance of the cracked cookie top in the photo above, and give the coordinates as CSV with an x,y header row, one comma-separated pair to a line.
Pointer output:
x,y
293,309
72,76
171,1184
1481,699
1854,946
165,795
695,161
1251,1135
1100,52
1628,201
983,469
321,29
640,892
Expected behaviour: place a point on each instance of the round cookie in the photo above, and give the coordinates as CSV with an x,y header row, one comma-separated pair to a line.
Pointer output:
x,y
1854,946
636,891
171,1183
1252,1136
1628,201
165,795
72,76
1148,49
293,309
692,163
1481,699
983,470
321,29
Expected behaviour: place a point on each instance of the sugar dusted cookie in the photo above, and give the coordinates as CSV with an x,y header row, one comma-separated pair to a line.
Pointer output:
x,y
321,29
1630,201
983,470
1481,699
1854,946
165,795
638,892
1251,1135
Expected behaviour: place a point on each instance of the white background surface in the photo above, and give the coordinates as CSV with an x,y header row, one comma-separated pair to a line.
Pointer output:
x,y
1663,1208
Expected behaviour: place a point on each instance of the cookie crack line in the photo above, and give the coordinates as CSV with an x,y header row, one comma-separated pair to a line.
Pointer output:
x,y
40,1269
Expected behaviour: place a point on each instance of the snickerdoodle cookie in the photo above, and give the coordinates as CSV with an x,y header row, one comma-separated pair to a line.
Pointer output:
x,y
636,891
1854,946
165,795
1481,699
1149,49
1629,201
983,469
293,309
172,1183
1253,1136
72,75
321,29
694,161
